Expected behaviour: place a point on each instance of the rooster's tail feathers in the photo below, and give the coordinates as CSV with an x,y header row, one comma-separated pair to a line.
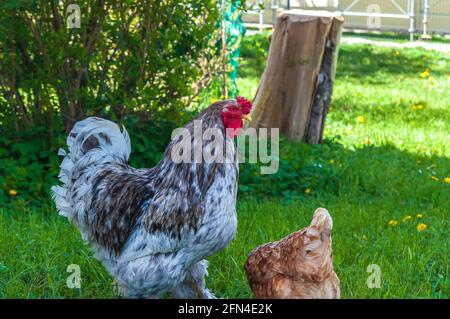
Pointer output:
x,y
91,142
95,132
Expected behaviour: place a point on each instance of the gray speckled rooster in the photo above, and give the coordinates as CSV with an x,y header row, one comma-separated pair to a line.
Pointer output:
x,y
152,228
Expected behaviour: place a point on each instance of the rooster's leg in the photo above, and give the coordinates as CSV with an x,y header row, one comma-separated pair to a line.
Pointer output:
x,y
124,292
194,285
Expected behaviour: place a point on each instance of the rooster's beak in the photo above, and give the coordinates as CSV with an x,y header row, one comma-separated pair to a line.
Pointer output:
x,y
247,117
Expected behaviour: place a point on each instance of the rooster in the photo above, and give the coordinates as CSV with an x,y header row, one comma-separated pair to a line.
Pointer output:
x,y
153,228
297,266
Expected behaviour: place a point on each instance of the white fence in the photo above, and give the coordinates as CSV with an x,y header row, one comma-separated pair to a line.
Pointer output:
x,y
413,16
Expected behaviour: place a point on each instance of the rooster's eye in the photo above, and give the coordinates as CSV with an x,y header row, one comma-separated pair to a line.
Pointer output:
x,y
308,251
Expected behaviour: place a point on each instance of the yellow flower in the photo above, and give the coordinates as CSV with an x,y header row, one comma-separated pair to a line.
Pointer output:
x,y
417,107
360,119
425,74
397,52
12,192
421,227
447,180
406,218
434,178
331,161
392,222
307,191
419,215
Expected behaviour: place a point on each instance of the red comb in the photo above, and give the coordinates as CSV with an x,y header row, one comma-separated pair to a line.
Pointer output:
x,y
245,104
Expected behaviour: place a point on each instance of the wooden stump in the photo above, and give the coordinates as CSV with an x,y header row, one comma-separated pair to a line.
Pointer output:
x,y
295,89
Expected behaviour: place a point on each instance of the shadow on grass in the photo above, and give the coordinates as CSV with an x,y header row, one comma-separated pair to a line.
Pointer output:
x,y
371,171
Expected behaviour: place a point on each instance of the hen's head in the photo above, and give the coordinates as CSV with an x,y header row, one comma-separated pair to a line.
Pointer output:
x,y
308,252
233,113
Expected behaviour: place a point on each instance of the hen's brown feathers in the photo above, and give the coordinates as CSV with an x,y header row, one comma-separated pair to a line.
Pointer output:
x,y
297,266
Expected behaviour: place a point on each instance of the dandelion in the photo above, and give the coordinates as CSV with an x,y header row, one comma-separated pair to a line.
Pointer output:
x,y
421,227
12,192
434,178
419,215
406,218
447,180
425,74
416,107
393,223
360,119
307,191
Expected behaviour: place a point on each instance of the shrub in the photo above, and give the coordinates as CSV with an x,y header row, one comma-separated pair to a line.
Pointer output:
x,y
29,163
143,57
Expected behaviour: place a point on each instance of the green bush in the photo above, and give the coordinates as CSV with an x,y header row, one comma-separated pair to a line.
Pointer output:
x,y
136,62
150,58
29,163
254,53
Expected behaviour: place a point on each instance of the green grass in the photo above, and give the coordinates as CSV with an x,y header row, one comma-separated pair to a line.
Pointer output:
x,y
395,36
375,171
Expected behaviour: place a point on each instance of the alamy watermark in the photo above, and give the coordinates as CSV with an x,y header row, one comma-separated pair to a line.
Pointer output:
x,y
374,21
374,279
73,13
74,278
210,146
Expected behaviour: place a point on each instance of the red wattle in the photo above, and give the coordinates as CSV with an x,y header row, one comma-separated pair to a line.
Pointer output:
x,y
232,120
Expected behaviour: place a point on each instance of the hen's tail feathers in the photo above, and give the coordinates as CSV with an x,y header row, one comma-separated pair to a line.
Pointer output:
x,y
92,142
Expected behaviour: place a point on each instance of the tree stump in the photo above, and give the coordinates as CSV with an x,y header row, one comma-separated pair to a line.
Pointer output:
x,y
295,89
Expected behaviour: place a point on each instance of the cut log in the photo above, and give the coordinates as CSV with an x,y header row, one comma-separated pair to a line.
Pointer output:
x,y
295,89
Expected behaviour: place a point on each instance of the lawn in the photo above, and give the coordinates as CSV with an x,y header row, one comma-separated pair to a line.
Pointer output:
x,y
381,172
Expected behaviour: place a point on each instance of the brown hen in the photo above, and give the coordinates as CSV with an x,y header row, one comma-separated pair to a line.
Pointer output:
x,y
297,266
